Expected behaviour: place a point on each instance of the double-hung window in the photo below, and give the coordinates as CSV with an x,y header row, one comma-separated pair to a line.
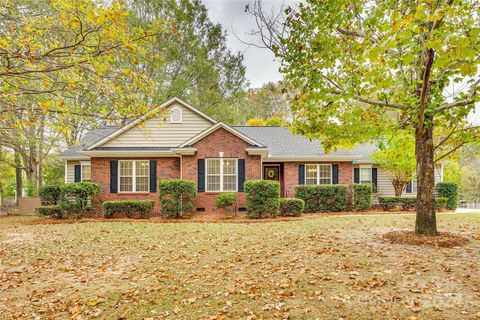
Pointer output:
x,y
366,175
134,175
86,172
318,174
221,175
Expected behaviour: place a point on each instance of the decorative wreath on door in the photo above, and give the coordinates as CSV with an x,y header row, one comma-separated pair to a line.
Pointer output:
x,y
270,173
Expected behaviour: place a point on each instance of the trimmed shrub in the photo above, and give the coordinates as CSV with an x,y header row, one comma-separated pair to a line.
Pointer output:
x,y
448,190
388,203
361,196
406,203
225,200
441,203
54,211
291,207
177,197
50,195
322,198
128,208
263,198
77,197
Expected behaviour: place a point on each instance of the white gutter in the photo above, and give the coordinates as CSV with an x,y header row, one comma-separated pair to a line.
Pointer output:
x,y
129,153
314,158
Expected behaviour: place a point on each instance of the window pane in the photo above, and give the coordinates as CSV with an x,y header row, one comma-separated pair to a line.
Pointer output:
x,y
325,181
126,168
310,181
141,184
325,171
126,184
86,172
311,171
176,115
141,168
213,183
213,166
365,175
230,183
229,166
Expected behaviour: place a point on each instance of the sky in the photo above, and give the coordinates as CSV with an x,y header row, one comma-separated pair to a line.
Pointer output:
x,y
261,66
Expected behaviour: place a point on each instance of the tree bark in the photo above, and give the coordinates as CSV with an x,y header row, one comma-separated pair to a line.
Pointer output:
x,y
426,222
398,187
18,176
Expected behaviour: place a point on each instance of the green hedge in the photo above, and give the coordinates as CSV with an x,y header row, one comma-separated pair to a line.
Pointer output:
x,y
177,198
263,198
77,197
448,190
54,211
406,203
226,200
361,196
322,198
128,208
291,207
50,195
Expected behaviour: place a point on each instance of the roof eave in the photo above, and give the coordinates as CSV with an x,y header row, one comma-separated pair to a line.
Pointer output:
x,y
129,153
311,158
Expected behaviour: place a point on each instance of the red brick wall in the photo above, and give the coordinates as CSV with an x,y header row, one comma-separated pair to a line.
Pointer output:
x,y
209,147
167,168
345,175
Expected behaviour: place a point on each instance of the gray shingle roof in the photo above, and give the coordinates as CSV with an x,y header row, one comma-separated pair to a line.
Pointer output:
x,y
89,139
139,148
283,143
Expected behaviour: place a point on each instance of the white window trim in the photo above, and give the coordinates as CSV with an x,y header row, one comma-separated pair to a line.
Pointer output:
x,y
221,175
134,176
318,172
360,173
181,115
82,164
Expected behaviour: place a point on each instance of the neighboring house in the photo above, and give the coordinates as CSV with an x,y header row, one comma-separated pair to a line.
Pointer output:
x,y
129,161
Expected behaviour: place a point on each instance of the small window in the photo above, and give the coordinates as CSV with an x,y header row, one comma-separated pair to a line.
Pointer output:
x,y
134,175
86,172
318,174
176,116
366,175
221,175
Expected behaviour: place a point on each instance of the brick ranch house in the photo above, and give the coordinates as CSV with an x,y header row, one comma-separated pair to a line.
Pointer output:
x,y
129,161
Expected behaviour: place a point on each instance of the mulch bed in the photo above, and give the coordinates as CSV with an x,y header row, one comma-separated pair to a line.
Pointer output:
x,y
442,240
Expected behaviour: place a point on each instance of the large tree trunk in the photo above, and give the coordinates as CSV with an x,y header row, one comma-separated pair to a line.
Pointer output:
x,y
426,221
18,176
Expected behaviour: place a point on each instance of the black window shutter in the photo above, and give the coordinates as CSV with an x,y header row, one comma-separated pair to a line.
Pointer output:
x,y
78,173
356,175
241,174
301,174
201,175
113,176
374,179
153,176
335,173
409,187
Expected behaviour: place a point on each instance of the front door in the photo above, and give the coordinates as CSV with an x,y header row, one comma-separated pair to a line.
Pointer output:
x,y
271,173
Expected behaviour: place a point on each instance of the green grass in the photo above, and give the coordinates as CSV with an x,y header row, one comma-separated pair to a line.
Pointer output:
x,y
327,268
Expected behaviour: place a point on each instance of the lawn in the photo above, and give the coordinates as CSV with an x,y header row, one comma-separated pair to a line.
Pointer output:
x,y
326,268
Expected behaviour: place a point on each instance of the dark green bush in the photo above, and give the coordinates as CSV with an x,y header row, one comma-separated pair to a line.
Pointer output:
x,y
323,198
226,200
263,198
388,203
77,197
406,203
361,196
50,195
128,208
177,197
441,203
54,211
448,190
291,207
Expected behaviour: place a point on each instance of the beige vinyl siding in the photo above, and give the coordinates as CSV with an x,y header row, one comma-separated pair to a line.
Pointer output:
x,y
70,170
384,182
159,132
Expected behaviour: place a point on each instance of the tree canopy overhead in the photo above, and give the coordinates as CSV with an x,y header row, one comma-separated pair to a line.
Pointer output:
x,y
358,69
